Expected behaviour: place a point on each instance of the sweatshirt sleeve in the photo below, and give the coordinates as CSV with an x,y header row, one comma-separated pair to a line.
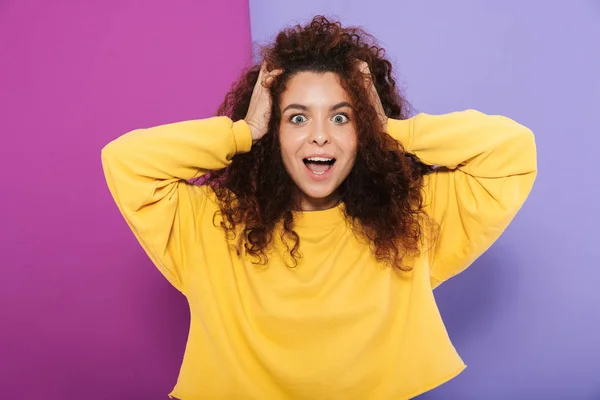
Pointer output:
x,y
488,167
147,172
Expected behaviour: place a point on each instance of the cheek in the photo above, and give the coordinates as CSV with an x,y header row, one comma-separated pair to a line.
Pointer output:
x,y
287,146
351,145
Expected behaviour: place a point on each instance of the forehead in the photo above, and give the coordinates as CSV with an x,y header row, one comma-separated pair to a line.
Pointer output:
x,y
314,88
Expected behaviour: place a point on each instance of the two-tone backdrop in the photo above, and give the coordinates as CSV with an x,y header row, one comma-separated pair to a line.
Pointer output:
x,y
83,313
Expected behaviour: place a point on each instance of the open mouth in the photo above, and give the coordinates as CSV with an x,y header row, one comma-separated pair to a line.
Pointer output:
x,y
319,165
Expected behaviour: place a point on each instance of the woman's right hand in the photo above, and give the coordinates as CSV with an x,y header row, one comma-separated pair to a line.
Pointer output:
x,y
259,111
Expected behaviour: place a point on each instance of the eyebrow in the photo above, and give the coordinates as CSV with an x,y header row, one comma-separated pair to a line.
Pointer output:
x,y
305,108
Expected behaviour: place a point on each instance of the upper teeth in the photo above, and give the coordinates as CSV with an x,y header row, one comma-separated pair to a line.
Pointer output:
x,y
319,159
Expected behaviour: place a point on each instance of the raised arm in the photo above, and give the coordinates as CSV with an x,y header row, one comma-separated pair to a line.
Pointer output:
x,y
147,172
488,170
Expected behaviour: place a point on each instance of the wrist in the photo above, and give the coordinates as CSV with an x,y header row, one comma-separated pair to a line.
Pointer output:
x,y
253,131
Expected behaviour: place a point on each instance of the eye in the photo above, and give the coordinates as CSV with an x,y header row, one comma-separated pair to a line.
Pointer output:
x,y
340,118
298,119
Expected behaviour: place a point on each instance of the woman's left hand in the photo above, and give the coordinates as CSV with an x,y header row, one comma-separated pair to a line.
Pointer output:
x,y
363,67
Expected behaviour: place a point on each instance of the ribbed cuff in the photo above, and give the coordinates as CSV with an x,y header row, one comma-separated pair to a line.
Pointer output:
x,y
401,130
242,136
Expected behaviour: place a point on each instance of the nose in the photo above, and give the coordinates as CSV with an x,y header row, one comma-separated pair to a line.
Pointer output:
x,y
320,134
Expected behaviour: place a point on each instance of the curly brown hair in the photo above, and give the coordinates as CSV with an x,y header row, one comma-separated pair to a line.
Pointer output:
x,y
382,195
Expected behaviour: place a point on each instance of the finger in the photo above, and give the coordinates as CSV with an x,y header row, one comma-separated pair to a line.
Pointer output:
x,y
263,72
270,77
263,68
276,72
363,67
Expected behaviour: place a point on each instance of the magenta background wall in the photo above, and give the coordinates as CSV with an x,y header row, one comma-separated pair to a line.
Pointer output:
x,y
83,313
526,316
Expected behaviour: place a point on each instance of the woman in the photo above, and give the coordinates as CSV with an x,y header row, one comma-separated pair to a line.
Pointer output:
x,y
309,250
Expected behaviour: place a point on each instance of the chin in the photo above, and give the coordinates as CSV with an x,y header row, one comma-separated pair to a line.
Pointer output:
x,y
317,194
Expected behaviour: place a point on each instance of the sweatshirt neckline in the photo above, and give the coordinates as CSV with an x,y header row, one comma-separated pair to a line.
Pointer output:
x,y
319,218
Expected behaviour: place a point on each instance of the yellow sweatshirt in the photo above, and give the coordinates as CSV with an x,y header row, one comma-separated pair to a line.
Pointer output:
x,y
339,326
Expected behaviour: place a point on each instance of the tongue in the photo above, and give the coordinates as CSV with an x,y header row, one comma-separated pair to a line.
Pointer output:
x,y
318,167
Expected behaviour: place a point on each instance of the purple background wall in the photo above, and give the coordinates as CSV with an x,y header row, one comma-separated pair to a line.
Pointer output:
x,y
83,313
526,316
